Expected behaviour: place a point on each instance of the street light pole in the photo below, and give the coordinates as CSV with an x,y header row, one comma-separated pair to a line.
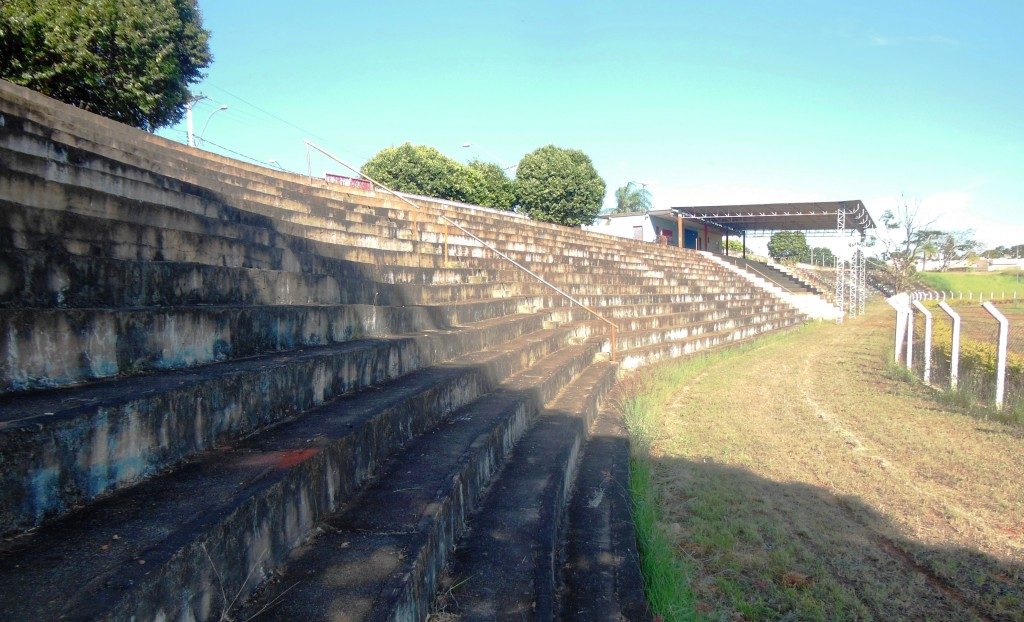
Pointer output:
x,y
190,132
207,124
485,150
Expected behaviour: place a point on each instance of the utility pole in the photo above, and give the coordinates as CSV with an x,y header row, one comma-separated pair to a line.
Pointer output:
x,y
188,123
188,118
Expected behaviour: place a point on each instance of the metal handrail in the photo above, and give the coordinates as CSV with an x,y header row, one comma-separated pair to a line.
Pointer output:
x,y
556,289
746,265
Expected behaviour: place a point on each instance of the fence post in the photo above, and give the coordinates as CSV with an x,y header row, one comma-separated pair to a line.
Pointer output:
x,y
1004,333
900,303
954,355
909,358
927,341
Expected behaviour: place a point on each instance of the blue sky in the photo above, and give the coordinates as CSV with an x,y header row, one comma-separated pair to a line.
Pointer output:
x,y
731,102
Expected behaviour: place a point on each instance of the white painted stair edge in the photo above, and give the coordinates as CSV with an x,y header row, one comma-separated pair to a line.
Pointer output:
x,y
811,305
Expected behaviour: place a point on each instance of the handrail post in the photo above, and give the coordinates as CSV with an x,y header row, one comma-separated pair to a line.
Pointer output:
x,y
614,343
954,354
927,341
309,165
1004,333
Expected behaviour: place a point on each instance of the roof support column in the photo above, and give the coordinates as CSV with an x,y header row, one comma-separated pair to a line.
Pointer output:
x,y
744,244
679,230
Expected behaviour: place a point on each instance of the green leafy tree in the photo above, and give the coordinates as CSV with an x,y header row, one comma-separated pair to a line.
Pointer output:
x,y
734,246
418,169
632,198
788,246
819,255
956,245
491,186
129,60
559,185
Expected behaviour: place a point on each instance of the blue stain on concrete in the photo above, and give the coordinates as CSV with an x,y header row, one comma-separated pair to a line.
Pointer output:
x,y
221,349
44,488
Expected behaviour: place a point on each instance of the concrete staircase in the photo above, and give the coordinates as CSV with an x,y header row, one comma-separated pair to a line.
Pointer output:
x,y
228,391
781,282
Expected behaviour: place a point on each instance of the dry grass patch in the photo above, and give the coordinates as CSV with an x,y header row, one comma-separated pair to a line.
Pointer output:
x,y
796,480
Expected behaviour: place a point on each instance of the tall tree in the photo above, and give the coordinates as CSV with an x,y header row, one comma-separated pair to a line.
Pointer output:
x,y
419,169
788,246
956,245
559,185
820,255
632,198
908,238
492,187
129,60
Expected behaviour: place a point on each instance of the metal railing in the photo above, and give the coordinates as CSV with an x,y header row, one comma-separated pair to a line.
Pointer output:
x,y
450,222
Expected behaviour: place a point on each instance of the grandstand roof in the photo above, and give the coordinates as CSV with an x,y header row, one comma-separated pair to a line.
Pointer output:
x,y
766,217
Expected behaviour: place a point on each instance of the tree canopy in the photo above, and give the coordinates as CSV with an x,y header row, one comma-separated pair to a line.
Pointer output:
x,y
632,198
559,185
418,169
788,246
910,239
493,188
129,60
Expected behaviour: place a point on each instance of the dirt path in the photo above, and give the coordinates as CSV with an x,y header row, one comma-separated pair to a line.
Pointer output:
x,y
801,481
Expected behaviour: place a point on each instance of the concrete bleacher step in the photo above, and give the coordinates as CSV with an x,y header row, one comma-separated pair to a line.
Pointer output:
x,y
567,251
648,354
32,170
380,558
253,247
250,175
601,577
222,381
66,447
506,567
46,165
49,277
173,546
57,347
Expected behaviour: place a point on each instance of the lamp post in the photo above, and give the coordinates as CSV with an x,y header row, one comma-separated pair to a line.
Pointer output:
x,y
207,124
485,150
188,118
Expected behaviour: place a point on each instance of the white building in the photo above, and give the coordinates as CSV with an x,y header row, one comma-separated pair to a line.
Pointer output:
x,y
661,226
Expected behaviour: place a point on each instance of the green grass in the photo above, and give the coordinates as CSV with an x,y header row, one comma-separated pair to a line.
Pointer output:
x,y
985,283
667,576
797,476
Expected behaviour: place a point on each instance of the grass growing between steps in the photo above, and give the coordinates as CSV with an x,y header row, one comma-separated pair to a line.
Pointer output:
x,y
797,478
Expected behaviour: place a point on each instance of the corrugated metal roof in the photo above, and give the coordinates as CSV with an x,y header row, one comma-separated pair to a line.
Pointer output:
x,y
819,216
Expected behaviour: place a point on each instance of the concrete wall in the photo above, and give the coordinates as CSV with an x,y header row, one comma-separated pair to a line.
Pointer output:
x,y
623,226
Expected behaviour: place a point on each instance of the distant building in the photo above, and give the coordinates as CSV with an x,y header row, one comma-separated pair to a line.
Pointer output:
x,y
1005,263
661,227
